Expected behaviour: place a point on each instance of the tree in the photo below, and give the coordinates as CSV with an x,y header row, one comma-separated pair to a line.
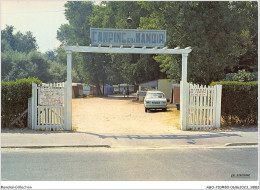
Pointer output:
x,y
223,37
97,68
18,42
19,57
214,30
51,55
6,64
249,12
125,68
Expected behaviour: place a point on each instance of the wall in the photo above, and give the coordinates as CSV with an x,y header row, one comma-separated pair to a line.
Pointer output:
x,y
165,85
176,94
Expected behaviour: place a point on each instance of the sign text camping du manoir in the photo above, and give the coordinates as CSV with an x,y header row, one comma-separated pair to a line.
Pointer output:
x,y
127,37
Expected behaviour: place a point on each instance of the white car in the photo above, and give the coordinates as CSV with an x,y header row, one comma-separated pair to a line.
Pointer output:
x,y
155,100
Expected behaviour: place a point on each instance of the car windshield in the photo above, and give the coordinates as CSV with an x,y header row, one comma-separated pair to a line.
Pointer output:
x,y
155,95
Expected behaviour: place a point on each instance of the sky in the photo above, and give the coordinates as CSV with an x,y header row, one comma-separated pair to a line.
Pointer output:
x,y
42,18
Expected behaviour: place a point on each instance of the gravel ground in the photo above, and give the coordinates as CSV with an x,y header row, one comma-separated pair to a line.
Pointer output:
x,y
118,115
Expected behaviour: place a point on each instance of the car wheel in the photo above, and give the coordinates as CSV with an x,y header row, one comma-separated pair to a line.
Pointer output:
x,y
164,109
145,109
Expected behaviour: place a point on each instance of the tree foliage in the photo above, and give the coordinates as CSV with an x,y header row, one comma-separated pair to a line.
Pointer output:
x,y
242,76
17,42
101,68
218,32
223,36
18,65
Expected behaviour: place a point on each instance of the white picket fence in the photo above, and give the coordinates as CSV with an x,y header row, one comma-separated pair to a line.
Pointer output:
x,y
204,108
48,106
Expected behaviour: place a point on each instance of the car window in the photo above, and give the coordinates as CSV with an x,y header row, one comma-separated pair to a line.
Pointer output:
x,y
155,95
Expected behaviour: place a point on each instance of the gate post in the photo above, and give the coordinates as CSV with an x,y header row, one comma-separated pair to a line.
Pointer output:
x,y
184,94
184,105
34,106
218,105
68,111
30,116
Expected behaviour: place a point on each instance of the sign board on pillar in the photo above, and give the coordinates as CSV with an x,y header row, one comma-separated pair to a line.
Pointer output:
x,y
198,91
127,37
51,96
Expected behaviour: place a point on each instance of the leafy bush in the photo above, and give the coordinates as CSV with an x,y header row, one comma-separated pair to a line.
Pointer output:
x,y
242,76
15,96
239,104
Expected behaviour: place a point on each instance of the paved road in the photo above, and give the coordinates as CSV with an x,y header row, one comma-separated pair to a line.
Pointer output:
x,y
88,164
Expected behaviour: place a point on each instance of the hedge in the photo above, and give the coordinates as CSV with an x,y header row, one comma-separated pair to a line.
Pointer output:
x,y
239,104
14,95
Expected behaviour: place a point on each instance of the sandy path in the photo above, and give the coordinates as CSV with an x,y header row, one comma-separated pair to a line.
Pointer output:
x,y
121,116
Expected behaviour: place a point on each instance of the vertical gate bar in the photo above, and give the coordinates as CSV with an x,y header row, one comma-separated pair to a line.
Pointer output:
x,y
63,117
208,105
47,116
54,116
214,104
58,116
187,102
193,109
211,111
50,112
43,117
200,111
51,115
190,108
181,104
204,107
38,117
197,109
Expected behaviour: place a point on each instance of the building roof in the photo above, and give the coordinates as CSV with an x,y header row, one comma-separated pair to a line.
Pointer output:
x,y
150,83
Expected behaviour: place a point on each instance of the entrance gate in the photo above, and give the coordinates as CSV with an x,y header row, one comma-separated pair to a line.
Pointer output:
x,y
89,49
48,108
197,111
204,106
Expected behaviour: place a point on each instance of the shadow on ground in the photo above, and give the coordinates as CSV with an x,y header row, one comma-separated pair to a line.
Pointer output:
x,y
161,137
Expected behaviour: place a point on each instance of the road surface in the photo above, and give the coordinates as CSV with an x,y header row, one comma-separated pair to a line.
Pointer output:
x,y
114,164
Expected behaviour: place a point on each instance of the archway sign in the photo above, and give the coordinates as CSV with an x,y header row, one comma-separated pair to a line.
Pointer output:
x,y
126,42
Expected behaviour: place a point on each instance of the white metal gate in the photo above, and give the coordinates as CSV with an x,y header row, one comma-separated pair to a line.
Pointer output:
x,y
204,107
48,106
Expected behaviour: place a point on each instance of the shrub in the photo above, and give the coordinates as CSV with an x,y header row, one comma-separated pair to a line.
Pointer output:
x,y
242,76
14,101
239,104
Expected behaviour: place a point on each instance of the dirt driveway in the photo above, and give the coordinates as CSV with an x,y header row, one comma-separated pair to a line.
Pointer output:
x,y
118,115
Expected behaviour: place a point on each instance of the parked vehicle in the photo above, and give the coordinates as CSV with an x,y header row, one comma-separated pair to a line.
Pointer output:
x,y
155,100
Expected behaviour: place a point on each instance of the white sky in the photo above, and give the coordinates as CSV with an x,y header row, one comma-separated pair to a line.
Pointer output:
x,y
42,18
